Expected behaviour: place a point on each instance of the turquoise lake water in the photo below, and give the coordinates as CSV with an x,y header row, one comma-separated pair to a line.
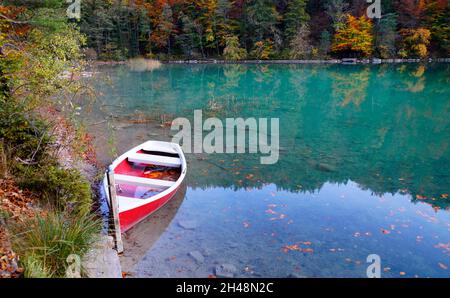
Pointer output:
x,y
364,167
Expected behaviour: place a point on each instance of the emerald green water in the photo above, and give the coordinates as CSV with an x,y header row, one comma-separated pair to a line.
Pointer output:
x,y
364,167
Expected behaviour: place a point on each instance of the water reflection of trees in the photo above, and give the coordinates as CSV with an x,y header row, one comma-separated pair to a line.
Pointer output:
x,y
385,127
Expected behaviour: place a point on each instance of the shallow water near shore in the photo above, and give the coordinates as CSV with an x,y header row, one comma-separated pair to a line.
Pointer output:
x,y
364,168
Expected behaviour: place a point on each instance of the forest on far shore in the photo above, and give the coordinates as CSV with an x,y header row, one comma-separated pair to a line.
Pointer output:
x,y
264,29
249,29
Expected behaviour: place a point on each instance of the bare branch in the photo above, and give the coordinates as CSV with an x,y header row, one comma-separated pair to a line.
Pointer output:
x,y
12,21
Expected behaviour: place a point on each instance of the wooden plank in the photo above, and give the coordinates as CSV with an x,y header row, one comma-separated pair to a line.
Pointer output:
x,y
158,160
114,210
139,181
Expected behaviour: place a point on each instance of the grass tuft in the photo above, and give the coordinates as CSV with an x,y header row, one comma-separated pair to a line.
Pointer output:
x,y
45,242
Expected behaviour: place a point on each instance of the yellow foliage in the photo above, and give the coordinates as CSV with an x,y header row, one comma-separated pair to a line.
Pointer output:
x,y
355,36
415,42
263,49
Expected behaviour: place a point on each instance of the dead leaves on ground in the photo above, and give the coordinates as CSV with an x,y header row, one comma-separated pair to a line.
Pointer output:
x,y
9,265
16,203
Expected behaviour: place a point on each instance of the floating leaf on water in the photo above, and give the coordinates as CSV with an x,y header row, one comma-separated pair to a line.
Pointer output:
x,y
443,266
287,248
402,273
270,211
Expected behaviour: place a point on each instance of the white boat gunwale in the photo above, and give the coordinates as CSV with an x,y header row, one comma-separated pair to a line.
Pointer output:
x,y
126,203
157,160
140,181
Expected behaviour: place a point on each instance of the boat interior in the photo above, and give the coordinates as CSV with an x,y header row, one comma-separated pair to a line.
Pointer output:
x,y
144,174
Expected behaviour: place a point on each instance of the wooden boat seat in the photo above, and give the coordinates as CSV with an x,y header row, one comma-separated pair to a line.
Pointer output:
x,y
139,181
157,160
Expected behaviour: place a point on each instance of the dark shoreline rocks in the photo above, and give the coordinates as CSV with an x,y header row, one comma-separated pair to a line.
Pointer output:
x,y
318,61
312,61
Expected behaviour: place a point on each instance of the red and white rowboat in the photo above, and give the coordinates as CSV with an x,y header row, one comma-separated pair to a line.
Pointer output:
x,y
146,177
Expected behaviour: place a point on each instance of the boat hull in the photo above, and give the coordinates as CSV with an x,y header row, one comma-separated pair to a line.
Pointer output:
x,y
130,218
133,206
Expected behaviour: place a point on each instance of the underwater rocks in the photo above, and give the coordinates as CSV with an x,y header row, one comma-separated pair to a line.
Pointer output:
x,y
188,224
225,270
324,167
197,256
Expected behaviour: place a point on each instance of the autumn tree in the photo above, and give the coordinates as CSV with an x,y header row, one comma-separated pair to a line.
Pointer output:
x,y
354,37
415,42
263,49
411,12
164,28
222,24
213,17
232,50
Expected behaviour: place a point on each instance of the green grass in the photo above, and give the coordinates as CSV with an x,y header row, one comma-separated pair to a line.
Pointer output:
x,y
44,243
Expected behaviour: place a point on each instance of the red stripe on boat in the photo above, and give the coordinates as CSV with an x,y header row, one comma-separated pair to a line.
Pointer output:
x,y
131,217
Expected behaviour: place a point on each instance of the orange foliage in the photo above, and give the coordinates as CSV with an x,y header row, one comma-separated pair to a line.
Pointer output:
x,y
9,28
355,36
415,42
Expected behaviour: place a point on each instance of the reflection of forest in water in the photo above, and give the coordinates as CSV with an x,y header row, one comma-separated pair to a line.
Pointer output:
x,y
386,127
